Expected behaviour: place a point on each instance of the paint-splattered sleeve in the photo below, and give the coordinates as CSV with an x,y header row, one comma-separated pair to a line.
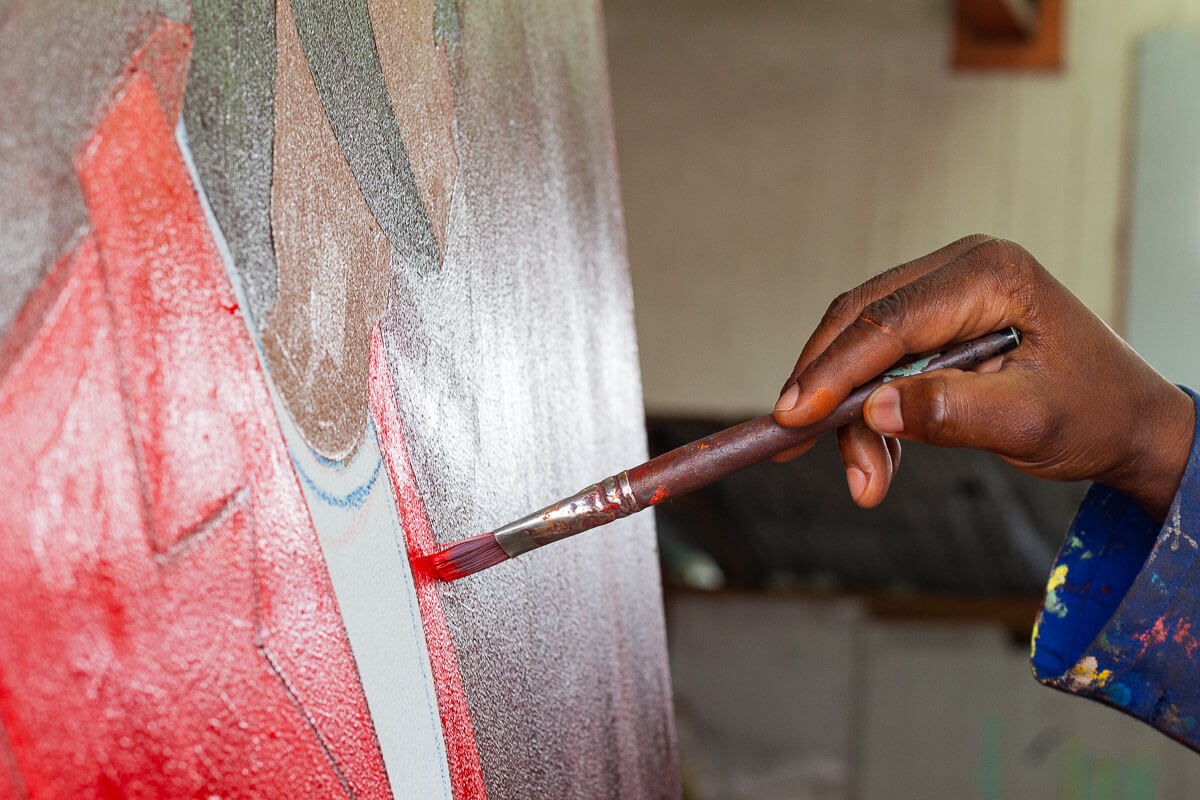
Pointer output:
x,y
1117,622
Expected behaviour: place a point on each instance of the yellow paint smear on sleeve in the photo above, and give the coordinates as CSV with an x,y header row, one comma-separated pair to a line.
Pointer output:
x,y
1054,603
1088,675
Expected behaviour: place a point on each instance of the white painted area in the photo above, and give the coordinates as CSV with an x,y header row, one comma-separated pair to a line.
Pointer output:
x,y
782,698
354,512
775,153
1164,242
356,519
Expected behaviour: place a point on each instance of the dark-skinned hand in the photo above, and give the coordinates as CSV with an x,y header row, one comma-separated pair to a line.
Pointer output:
x,y
1072,402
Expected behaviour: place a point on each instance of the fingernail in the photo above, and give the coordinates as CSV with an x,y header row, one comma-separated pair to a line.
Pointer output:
x,y
882,411
787,401
856,479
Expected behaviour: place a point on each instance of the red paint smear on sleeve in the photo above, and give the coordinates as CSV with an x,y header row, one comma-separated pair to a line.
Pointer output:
x,y
466,774
169,625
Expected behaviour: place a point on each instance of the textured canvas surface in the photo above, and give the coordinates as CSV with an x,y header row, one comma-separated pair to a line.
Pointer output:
x,y
295,292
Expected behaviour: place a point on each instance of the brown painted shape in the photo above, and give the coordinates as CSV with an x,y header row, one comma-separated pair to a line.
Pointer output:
x,y
332,259
417,75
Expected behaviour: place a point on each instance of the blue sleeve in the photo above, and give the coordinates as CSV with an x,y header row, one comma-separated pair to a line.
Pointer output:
x,y
1117,621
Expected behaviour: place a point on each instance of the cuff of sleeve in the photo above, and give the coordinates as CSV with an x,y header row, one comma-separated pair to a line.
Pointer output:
x,y
1116,623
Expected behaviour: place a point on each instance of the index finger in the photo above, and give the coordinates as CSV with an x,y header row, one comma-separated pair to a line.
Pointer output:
x,y
976,293
847,306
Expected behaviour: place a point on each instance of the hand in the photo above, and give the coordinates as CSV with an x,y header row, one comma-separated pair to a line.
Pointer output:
x,y
1072,402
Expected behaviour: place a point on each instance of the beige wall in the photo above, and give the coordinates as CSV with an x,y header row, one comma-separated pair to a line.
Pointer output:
x,y
774,153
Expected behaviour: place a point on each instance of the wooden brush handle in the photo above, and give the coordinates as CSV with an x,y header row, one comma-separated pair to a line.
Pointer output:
x,y
707,460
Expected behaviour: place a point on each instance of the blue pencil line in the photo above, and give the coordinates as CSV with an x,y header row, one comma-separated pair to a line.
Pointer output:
x,y
354,499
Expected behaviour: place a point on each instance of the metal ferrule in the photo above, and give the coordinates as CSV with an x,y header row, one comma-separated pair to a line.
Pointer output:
x,y
611,498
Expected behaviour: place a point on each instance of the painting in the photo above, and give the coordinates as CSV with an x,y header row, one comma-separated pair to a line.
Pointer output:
x,y
296,292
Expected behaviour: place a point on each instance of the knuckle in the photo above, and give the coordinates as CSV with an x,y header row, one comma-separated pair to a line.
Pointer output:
x,y
994,255
1023,280
884,312
939,412
844,307
1005,268
1012,263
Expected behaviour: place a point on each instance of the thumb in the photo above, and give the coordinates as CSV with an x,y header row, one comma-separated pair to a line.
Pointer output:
x,y
948,408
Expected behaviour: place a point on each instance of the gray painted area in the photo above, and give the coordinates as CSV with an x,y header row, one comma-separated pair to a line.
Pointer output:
x,y
64,50
229,115
1164,242
516,380
340,48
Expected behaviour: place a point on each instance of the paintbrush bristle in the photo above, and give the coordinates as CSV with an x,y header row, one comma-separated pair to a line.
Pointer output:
x,y
467,557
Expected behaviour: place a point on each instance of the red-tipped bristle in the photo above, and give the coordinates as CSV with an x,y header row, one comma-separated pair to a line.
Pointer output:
x,y
467,557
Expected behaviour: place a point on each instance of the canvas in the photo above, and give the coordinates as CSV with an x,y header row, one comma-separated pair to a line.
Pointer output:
x,y
295,292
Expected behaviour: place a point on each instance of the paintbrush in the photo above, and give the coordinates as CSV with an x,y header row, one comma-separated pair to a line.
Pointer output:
x,y
686,468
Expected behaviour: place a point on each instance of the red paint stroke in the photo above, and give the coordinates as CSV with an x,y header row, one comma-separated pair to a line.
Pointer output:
x,y
160,269
169,625
462,754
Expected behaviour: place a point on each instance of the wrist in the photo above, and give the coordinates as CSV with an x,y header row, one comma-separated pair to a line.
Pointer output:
x,y
1160,444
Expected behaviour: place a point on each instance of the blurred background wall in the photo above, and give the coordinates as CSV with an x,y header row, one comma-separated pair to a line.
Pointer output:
x,y
774,153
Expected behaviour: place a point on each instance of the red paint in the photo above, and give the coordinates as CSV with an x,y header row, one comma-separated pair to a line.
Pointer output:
x,y
169,626
1184,638
135,186
1154,637
465,558
462,754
